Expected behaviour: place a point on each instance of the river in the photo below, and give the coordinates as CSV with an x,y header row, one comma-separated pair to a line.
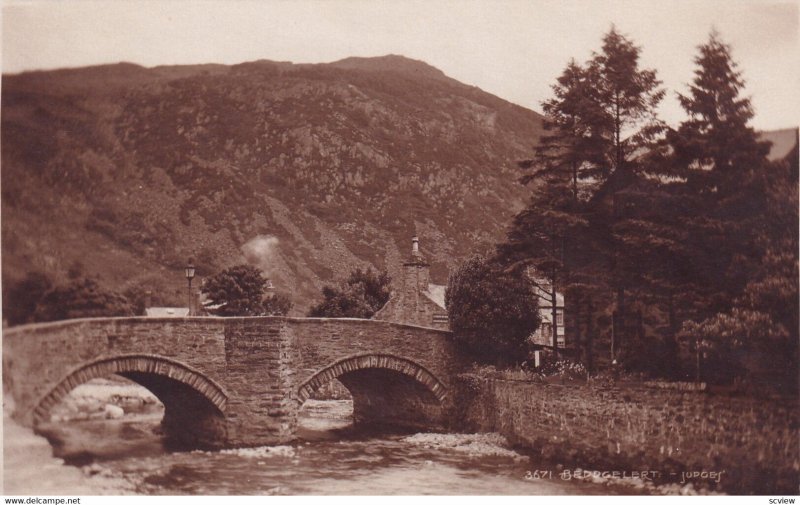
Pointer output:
x,y
330,457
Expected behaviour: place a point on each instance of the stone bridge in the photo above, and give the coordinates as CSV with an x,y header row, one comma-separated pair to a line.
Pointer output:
x,y
228,382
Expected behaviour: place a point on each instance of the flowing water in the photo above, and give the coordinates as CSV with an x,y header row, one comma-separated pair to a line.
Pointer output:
x,y
329,457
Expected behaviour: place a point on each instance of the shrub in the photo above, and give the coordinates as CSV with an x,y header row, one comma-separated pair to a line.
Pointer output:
x,y
361,295
492,313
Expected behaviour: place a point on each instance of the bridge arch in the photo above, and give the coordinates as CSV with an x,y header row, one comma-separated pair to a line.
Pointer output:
x,y
386,389
194,404
385,361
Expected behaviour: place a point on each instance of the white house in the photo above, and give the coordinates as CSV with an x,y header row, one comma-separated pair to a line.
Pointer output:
x,y
543,336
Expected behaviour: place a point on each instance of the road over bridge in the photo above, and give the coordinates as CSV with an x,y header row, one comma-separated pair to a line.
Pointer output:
x,y
228,382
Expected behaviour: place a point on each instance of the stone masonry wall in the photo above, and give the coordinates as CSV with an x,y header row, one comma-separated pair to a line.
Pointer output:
x,y
260,381
754,442
317,343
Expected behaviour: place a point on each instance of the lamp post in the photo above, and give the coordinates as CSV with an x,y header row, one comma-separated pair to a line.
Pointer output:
x,y
189,276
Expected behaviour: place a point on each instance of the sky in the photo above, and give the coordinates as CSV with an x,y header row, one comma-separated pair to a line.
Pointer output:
x,y
514,49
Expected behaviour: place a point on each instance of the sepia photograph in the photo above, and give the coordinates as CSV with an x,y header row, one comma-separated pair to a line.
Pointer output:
x,y
411,248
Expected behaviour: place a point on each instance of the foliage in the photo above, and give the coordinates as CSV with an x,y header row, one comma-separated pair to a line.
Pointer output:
x,y
362,294
81,298
21,297
237,291
563,369
602,115
553,367
749,212
492,313
628,97
716,135
762,322
696,230
276,305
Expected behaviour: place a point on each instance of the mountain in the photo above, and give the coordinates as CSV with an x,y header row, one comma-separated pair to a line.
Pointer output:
x,y
784,143
124,172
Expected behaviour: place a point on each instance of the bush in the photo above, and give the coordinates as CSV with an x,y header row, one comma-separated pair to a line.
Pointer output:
x,y
81,298
20,298
276,305
237,291
361,295
492,313
563,369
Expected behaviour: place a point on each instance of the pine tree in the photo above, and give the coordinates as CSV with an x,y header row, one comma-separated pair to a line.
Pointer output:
x,y
601,116
628,97
744,232
716,140
571,150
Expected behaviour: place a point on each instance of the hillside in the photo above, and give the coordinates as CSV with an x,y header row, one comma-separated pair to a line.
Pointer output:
x,y
128,171
784,143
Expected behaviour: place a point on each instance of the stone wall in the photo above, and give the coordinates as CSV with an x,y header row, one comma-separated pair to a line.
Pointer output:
x,y
317,343
754,442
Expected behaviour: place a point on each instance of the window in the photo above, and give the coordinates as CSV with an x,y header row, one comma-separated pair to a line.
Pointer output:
x,y
547,329
560,318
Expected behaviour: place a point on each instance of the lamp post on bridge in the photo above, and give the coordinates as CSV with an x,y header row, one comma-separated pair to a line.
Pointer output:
x,y
189,276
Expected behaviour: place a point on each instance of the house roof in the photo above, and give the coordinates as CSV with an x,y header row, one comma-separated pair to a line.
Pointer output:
x,y
166,311
435,293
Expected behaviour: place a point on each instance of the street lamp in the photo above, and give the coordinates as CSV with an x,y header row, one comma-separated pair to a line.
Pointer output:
x,y
189,276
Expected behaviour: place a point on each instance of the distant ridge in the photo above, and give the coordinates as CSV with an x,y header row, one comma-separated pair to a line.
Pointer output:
x,y
783,142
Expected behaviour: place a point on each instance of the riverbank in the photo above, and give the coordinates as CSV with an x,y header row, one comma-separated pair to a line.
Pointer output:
x,y
687,442
29,464
333,458
29,468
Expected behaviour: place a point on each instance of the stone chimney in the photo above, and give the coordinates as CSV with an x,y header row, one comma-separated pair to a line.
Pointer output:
x,y
416,271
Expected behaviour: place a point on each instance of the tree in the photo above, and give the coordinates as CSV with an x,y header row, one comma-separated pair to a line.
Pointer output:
x,y
572,148
81,298
362,294
236,291
276,305
492,313
600,119
20,299
744,232
628,97
716,140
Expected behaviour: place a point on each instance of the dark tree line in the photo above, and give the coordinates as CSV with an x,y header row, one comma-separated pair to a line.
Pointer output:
x,y
38,298
240,290
676,247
